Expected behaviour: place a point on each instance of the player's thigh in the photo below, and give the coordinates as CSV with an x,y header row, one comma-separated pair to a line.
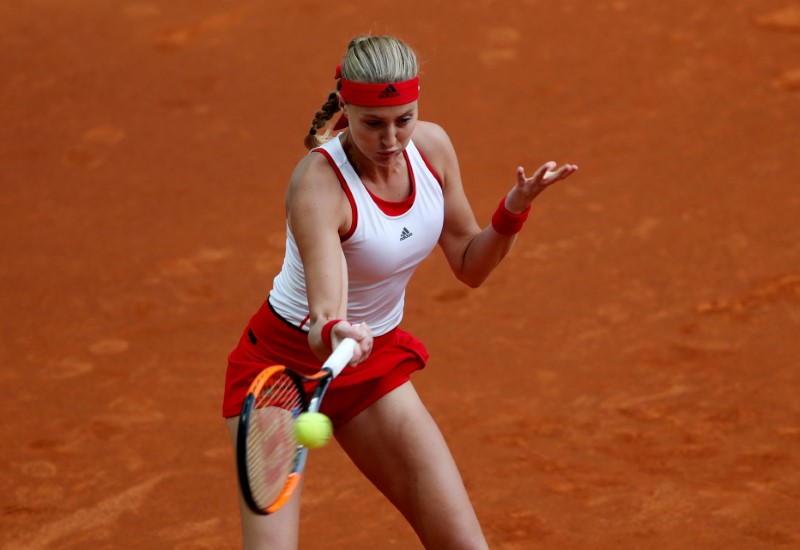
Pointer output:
x,y
398,446
276,531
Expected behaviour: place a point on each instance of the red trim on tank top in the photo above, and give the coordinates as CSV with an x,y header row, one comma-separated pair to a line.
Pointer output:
x,y
428,164
347,192
392,208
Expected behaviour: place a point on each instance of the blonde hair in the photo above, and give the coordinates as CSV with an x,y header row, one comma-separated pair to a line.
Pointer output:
x,y
369,60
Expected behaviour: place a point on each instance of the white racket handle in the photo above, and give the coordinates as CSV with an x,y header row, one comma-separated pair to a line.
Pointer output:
x,y
342,355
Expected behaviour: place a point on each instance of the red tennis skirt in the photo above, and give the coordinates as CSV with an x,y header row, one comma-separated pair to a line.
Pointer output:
x,y
269,340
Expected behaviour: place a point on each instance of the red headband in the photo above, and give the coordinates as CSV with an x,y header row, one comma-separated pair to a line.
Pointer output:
x,y
376,95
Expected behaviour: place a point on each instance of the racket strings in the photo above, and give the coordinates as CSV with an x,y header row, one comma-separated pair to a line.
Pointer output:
x,y
271,444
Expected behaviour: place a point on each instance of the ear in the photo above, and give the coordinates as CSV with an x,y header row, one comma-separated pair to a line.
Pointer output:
x,y
341,100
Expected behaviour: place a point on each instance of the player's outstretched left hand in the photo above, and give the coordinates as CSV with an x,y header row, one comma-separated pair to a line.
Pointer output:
x,y
527,188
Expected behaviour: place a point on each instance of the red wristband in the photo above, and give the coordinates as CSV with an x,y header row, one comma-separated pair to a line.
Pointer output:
x,y
326,333
506,223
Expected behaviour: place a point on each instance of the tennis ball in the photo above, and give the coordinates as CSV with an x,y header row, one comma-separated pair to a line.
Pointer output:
x,y
313,429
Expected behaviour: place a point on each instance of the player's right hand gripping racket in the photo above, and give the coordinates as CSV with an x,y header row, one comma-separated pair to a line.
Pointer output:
x,y
269,459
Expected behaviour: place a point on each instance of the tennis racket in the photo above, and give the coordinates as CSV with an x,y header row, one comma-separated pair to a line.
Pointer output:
x,y
269,460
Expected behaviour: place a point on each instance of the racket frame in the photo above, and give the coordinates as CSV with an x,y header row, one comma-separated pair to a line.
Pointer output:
x,y
334,365
245,417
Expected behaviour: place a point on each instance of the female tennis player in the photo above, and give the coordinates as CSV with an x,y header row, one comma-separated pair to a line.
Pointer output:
x,y
364,208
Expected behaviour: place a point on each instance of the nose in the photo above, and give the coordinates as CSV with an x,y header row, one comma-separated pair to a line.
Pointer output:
x,y
389,137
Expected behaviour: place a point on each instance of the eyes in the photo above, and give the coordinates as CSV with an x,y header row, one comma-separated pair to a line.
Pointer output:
x,y
378,123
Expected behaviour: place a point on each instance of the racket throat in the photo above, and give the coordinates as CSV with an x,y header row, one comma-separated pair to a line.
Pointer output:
x,y
319,393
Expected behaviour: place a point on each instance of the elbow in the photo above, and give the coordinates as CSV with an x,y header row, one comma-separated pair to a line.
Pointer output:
x,y
467,273
471,281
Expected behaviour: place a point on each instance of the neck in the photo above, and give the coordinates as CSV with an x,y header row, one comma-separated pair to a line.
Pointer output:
x,y
368,170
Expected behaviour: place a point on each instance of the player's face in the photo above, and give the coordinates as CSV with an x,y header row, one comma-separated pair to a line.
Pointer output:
x,y
382,133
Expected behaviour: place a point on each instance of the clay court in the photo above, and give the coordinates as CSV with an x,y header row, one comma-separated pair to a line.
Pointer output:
x,y
627,379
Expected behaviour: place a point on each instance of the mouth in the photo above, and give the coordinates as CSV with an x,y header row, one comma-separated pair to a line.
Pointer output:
x,y
388,154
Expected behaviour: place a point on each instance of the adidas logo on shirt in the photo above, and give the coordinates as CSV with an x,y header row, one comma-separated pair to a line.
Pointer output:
x,y
390,91
404,234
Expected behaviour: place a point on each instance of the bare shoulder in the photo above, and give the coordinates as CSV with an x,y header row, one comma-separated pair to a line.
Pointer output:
x,y
315,200
312,167
435,145
431,139
312,176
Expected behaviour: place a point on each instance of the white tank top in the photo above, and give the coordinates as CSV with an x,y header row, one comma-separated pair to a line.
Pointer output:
x,y
382,251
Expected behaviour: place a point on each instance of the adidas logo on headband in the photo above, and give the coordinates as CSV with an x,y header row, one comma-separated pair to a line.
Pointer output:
x,y
389,92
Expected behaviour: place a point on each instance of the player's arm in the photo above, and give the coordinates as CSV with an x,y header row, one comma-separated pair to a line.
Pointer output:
x,y
471,251
318,212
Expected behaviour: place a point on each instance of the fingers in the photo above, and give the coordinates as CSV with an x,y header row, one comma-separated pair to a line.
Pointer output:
x,y
362,334
540,174
358,332
560,174
546,174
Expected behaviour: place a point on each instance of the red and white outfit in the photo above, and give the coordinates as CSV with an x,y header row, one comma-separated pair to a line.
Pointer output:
x,y
385,244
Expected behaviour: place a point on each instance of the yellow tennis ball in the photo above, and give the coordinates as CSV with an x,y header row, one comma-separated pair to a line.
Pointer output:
x,y
313,429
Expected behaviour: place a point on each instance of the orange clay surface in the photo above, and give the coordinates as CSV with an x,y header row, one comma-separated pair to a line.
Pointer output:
x,y
628,378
